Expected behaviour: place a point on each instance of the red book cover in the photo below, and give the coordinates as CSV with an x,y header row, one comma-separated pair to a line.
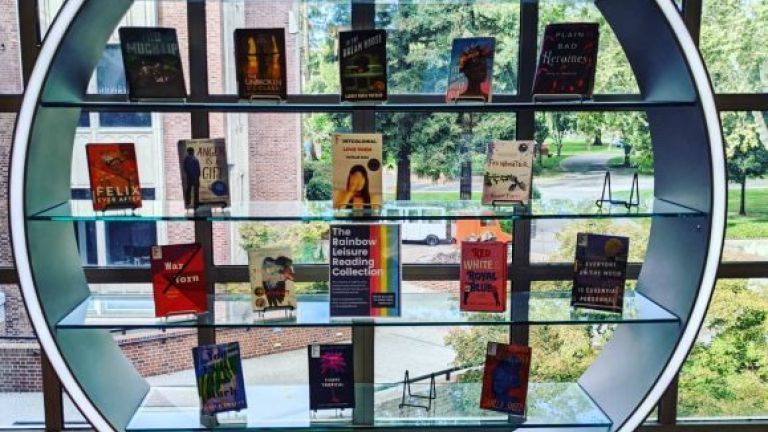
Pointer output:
x,y
505,378
483,277
178,279
568,60
114,175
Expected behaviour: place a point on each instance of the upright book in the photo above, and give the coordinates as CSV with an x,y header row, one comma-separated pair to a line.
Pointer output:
x,y
505,378
483,276
152,63
357,171
568,61
204,172
178,279
260,56
272,278
365,270
331,377
600,272
508,172
219,374
363,65
470,73
114,175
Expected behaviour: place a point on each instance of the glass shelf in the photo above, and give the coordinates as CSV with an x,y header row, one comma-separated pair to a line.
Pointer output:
x,y
273,406
418,309
82,210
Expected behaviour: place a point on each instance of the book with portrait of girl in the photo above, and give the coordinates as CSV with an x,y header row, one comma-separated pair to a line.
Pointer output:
x,y
470,72
508,172
357,168
272,279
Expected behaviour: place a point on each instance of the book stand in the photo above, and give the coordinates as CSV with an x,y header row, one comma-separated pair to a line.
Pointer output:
x,y
513,203
265,98
288,311
224,419
338,414
181,315
560,97
472,99
634,195
407,388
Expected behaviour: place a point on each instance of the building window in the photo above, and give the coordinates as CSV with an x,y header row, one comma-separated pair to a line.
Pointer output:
x,y
129,243
110,79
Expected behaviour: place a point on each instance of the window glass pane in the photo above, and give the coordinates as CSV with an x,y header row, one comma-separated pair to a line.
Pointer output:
x,y
10,49
129,242
110,79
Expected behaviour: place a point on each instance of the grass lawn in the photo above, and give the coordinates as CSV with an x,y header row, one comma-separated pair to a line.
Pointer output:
x,y
755,224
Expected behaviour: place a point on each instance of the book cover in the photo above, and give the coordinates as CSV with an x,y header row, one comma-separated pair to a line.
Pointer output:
x,y
260,57
600,272
365,270
470,72
272,278
505,378
178,279
152,63
363,65
357,171
508,172
204,172
483,276
568,60
114,175
331,377
219,374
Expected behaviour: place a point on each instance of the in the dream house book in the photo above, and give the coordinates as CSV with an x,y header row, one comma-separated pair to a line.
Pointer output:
x,y
152,63
357,169
178,279
363,65
204,172
219,374
470,73
260,56
600,272
365,270
483,276
114,175
568,61
272,278
508,172
505,378
331,377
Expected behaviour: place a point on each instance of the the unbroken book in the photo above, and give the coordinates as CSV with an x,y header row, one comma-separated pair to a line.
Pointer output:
x,y
260,56
152,63
114,175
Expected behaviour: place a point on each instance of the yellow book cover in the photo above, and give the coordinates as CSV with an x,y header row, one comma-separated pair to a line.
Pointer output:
x,y
357,171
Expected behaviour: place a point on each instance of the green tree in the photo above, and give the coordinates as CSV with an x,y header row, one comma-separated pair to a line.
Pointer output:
x,y
746,156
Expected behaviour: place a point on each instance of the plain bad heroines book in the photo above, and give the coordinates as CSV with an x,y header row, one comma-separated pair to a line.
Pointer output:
x,y
483,276
219,374
365,270
272,278
331,377
204,172
363,65
508,172
505,378
600,272
260,55
152,63
178,279
114,175
357,171
567,61
470,73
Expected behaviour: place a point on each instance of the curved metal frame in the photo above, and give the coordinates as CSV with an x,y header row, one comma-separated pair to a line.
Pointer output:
x,y
626,380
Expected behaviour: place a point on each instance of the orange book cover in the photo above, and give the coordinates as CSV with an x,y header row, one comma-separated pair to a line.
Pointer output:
x,y
114,175
505,378
178,279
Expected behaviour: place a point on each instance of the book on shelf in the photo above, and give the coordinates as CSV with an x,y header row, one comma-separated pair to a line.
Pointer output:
x,y
178,279
483,276
505,378
204,172
600,272
508,172
365,270
260,57
567,62
470,72
219,375
114,176
363,65
331,376
152,63
357,171
272,279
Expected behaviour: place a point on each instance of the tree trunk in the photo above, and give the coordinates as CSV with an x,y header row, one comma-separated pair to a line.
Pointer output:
x,y
743,200
404,173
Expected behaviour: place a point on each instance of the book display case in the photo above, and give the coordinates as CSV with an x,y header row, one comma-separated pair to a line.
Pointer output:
x,y
652,337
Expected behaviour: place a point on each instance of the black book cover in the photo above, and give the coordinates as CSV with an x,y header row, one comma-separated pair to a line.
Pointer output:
x,y
152,63
600,272
331,377
363,65
260,57
568,60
